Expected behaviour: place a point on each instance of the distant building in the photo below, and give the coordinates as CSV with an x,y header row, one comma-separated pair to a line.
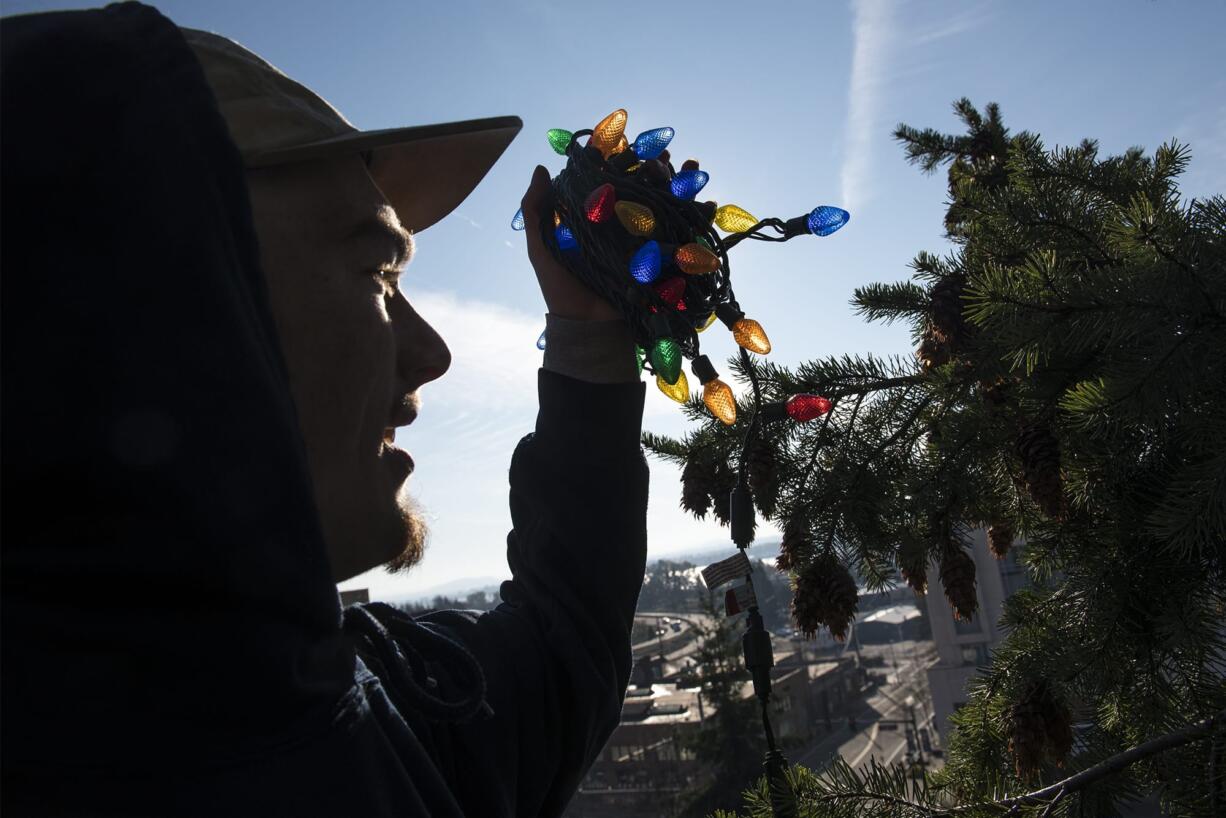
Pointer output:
x,y
355,596
646,765
964,646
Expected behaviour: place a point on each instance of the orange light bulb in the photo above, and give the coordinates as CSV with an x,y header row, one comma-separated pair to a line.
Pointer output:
x,y
608,132
718,397
679,391
696,259
749,334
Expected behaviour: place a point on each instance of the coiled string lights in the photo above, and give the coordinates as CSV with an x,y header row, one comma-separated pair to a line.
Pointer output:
x,y
629,225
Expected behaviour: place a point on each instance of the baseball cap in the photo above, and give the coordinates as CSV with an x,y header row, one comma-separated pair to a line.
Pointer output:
x,y
425,171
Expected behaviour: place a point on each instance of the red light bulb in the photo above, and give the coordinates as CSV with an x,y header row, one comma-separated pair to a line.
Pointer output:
x,y
801,408
670,291
599,204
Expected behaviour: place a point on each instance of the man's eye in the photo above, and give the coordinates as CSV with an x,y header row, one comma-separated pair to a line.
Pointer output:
x,y
390,280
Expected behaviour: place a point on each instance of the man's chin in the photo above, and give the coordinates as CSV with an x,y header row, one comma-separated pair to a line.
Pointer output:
x,y
414,534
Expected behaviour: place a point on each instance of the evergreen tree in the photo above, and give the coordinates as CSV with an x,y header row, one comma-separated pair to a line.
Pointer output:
x,y
1068,390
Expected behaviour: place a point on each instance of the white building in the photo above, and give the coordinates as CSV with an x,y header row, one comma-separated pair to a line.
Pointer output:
x,y
964,646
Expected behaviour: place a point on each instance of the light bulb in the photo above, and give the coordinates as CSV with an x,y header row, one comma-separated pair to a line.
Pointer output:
x,y
645,263
540,342
666,360
636,218
718,397
749,334
687,183
710,320
557,218
732,219
517,221
638,357
608,131
648,144
566,239
621,147
670,291
824,220
696,259
599,204
559,139
679,391
806,407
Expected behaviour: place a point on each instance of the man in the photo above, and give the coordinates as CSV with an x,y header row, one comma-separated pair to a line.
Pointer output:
x,y
206,352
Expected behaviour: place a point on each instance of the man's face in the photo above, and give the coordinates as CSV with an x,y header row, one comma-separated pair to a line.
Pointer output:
x,y
332,250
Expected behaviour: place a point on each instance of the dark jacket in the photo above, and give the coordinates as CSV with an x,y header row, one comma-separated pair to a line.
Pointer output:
x,y
172,641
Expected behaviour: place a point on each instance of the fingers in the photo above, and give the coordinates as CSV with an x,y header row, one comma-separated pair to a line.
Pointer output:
x,y
535,195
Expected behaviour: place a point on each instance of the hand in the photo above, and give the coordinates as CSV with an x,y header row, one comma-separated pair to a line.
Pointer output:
x,y
565,295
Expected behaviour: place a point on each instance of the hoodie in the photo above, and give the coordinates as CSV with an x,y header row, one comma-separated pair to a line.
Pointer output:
x,y
172,641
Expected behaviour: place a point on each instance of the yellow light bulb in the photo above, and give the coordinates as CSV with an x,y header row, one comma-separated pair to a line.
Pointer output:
x,y
749,334
679,391
696,259
557,219
718,397
636,218
608,132
710,320
732,219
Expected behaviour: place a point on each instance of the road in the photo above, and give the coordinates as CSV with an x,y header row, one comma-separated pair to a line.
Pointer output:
x,y
887,703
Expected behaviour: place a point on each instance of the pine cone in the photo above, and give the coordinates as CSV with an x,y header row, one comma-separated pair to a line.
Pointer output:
x,y
948,325
763,477
1039,452
824,593
958,579
722,483
996,394
932,353
694,496
1039,727
793,546
1000,538
913,566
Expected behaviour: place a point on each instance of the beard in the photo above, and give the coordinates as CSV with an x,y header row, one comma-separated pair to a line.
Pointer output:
x,y
415,533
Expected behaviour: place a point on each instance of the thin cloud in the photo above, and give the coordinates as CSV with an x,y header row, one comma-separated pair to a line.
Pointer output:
x,y
468,219
872,33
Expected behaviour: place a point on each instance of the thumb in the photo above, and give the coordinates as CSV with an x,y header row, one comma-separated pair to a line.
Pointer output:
x,y
534,198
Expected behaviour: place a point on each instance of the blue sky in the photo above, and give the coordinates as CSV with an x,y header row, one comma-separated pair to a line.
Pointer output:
x,y
787,105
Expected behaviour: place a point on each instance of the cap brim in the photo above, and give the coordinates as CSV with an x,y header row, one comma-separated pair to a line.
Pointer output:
x,y
425,171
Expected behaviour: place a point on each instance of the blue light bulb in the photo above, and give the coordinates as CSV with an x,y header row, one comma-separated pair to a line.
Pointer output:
x,y
566,239
645,263
517,223
540,342
825,219
687,183
649,144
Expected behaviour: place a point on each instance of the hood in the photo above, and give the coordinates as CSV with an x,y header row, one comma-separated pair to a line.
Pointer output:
x,y
166,593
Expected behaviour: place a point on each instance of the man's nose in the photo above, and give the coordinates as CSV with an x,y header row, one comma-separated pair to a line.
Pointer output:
x,y
421,353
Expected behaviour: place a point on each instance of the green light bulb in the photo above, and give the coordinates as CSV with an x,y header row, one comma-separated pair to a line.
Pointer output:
x,y
666,360
559,139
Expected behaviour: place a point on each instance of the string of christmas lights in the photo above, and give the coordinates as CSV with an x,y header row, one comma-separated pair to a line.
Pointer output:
x,y
628,224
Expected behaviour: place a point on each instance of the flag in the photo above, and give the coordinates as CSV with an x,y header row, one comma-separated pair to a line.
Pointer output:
x,y
738,599
717,573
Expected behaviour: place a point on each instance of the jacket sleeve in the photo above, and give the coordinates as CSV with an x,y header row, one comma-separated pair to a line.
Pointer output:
x,y
556,651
